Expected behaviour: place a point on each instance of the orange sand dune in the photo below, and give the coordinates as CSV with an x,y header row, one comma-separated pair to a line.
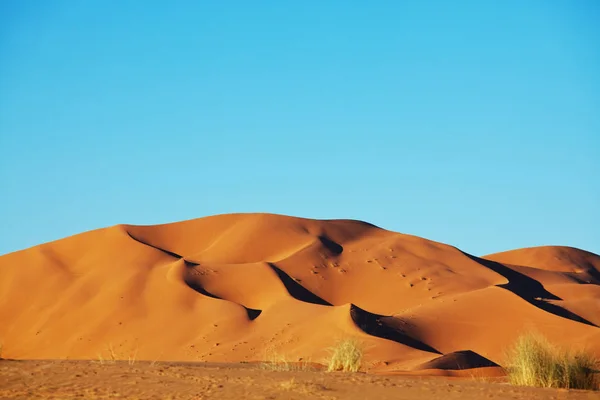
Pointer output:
x,y
253,287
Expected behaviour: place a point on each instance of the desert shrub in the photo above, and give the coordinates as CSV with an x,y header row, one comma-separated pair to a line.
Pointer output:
x,y
346,356
534,361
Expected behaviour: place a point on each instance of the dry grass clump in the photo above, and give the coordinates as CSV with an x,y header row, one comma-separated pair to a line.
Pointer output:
x,y
533,361
276,361
346,356
112,357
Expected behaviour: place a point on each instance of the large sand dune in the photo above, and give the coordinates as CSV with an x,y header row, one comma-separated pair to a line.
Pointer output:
x,y
250,287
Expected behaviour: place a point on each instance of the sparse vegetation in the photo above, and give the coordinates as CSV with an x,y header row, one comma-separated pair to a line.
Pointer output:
x,y
346,356
288,385
534,361
477,377
305,388
111,356
131,358
275,361
153,363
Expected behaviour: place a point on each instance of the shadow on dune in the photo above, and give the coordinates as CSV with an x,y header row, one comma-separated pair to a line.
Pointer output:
x,y
193,283
528,289
595,275
592,278
333,247
296,290
154,247
382,326
458,360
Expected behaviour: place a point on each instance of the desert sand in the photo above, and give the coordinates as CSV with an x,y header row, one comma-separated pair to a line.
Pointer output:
x,y
261,287
37,380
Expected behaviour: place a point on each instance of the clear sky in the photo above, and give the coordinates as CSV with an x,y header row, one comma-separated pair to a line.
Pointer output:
x,y
474,123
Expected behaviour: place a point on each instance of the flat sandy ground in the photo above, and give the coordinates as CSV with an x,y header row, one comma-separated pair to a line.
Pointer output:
x,y
92,380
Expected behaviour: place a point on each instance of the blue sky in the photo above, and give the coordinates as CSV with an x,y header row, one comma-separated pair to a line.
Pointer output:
x,y
474,123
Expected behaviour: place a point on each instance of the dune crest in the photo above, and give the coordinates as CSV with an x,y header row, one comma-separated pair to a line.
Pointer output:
x,y
238,287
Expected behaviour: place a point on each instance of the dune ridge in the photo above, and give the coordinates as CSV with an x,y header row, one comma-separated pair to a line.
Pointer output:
x,y
236,287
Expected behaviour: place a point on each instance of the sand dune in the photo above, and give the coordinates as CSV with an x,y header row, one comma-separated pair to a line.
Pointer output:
x,y
248,287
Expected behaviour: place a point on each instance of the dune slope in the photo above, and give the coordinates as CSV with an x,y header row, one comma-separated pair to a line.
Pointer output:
x,y
255,287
